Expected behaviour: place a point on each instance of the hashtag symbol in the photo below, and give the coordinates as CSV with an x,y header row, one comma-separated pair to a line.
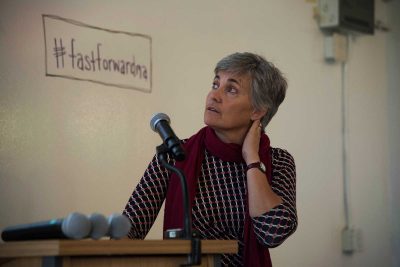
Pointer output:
x,y
59,51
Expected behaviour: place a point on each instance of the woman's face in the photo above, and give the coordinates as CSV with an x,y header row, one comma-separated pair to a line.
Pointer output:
x,y
228,104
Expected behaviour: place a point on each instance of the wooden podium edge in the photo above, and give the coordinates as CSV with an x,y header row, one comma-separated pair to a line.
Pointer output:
x,y
111,247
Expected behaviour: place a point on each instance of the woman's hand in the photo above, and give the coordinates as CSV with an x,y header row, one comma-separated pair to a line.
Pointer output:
x,y
260,194
251,143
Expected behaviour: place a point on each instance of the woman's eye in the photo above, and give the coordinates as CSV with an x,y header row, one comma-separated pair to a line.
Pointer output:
x,y
214,86
232,90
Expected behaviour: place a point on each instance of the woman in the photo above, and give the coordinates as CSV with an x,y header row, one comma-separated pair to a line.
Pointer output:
x,y
240,188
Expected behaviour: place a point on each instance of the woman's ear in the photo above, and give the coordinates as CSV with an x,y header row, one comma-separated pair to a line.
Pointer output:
x,y
258,114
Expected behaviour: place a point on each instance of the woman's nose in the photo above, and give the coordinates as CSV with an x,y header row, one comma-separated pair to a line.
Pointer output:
x,y
215,95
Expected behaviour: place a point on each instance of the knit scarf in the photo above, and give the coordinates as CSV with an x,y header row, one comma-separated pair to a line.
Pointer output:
x,y
255,254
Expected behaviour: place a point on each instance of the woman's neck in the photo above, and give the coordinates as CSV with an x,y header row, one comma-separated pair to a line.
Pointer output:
x,y
229,137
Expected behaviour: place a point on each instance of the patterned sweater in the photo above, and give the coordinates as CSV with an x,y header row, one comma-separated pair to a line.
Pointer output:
x,y
219,206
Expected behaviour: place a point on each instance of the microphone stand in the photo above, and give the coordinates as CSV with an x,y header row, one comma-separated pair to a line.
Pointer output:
x,y
194,258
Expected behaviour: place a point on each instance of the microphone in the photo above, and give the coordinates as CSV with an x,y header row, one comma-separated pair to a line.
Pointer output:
x,y
99,224
115,226
160,124
74,226
119,226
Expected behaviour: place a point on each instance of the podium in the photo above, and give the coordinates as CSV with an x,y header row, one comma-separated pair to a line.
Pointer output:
x,y
110,253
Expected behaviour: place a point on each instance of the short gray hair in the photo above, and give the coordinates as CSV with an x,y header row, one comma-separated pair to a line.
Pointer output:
x,y
268,86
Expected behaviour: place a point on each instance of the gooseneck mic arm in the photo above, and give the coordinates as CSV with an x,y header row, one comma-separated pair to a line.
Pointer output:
x,y
187,222
194,258
171,146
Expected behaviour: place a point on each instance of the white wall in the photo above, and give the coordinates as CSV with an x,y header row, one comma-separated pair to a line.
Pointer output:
x,y
393,58
67,145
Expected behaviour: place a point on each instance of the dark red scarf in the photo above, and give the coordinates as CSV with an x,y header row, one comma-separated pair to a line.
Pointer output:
x,y
254,253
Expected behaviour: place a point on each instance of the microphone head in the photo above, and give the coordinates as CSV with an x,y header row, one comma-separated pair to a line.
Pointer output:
x,y
99,225
120,226
157,118
76,226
